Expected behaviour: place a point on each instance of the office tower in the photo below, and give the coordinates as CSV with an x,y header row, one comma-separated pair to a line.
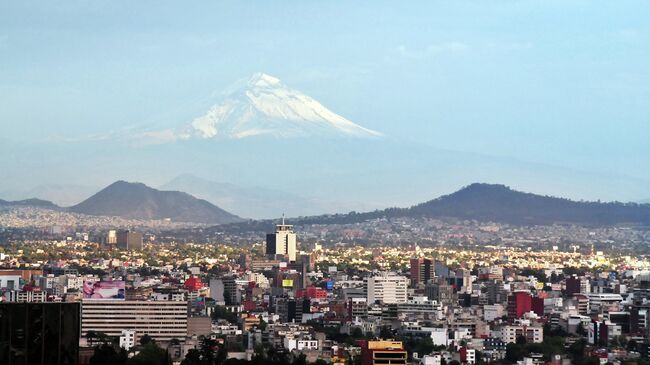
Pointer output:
x,y
282,242
441,270
387,288
463,281
39,333
496,292
290,310
441,292
231,292
111,237
382,352
128,240
162,320
300,267
421,271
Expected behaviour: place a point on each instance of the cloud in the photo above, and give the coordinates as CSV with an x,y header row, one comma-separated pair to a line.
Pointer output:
x,y
432,50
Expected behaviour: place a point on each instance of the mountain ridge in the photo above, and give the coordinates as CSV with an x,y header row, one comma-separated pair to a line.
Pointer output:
x,y
499,203
31,202
139,201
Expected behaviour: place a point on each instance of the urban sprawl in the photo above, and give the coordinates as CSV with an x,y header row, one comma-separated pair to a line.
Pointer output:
x,y
386,291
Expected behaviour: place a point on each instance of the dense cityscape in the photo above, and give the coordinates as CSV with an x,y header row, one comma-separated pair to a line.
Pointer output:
x,y
467,292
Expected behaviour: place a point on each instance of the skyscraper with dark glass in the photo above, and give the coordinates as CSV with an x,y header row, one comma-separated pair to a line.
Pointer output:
x,y
39,333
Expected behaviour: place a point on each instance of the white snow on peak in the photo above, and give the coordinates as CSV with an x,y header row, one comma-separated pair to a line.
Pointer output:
x,y
265,106
261,79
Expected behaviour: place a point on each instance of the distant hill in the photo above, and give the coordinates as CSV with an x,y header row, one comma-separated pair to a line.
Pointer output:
x,y
138,201
63,195
36,203
499,203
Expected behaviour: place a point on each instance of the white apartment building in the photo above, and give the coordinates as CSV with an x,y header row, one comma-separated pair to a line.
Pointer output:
x,y
509,334
10,281
386,287
161,320
420,307
300,345
18,296
127,339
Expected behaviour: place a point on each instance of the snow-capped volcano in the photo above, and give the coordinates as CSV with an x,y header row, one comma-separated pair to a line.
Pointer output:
x,y
265,106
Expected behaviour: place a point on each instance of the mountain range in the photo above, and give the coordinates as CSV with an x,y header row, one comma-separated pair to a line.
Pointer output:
x,y
501,204
482,202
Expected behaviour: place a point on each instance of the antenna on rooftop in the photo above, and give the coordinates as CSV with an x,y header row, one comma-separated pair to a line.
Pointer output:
x,y
283,219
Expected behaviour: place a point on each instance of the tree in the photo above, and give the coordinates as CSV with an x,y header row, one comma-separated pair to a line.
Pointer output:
x,y
221,312
515,352
262,324
144,340
105,354
577,350
193,357
631,345
424,346
300,360
385,332
150,354
356,332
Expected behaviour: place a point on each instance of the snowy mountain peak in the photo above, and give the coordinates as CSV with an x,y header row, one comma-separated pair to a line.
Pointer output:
x,y
261,79
265,106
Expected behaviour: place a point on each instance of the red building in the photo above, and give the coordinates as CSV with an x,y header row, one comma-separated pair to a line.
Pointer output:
x,y
311,293
537,306
421,270
518,304
193,284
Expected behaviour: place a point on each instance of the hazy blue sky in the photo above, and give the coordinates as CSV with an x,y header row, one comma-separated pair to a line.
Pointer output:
x,y
560,82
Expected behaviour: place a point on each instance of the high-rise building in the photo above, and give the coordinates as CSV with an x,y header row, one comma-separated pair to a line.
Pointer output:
x,y
39,333
421,271
231,292
111,237
282,242
518,304
441,292
386,287
162,320
128,240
